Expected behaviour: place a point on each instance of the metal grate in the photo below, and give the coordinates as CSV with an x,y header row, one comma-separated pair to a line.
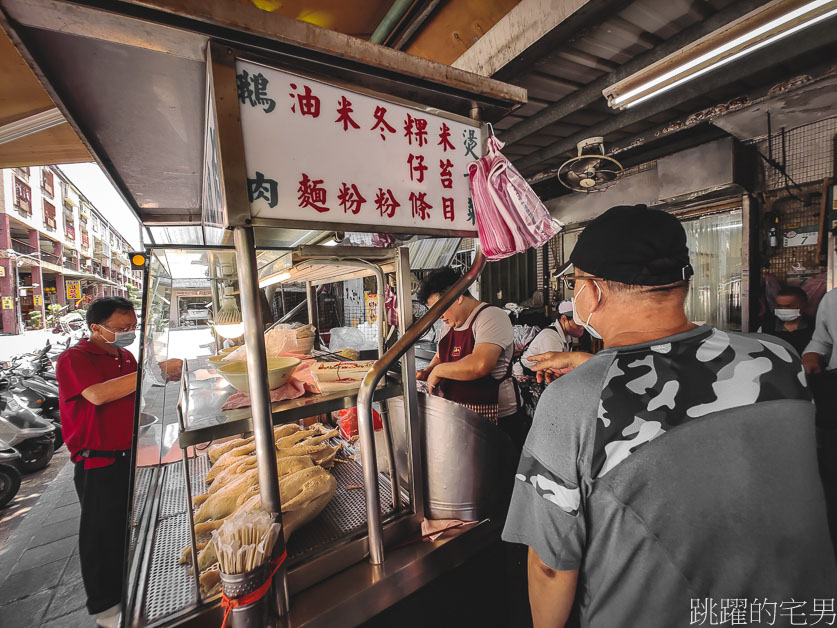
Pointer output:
x,y
170,585
142,483
173,496
344,516
795,264
809,153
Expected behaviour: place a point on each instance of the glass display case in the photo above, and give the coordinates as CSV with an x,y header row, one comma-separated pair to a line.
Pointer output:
x,y
180,417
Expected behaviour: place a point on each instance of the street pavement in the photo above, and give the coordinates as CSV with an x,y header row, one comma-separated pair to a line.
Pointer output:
x,y
27,342
40,577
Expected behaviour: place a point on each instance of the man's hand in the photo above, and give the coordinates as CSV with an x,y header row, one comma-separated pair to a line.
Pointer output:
x,y
433,382
813,363
421,375
551,365
171,369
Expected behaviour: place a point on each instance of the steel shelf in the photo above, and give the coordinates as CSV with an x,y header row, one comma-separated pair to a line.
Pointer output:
x,y
222,425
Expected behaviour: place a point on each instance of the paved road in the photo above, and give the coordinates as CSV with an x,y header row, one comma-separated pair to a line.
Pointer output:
x,y
28,342
31,489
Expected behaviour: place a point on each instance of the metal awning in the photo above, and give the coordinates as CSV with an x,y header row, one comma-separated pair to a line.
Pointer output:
x,y
132,82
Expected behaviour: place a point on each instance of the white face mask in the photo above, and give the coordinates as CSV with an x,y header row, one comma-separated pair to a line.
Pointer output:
x,y
786,314
576,317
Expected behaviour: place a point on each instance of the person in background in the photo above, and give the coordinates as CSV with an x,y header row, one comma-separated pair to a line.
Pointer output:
x,y
472,366
820,360
675,469
557,337
789,322
96,384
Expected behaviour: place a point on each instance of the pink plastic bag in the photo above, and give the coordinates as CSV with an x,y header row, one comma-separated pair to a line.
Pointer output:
x,y
510,216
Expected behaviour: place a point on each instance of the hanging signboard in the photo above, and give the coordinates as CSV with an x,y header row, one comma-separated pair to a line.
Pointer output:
x,y
8,303
36,300
2,271
319,154
801,236
73,289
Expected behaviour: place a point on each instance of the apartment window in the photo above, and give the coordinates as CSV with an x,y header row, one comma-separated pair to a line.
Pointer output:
x,y
85,240
48,182
70,232
22,172
49,216
95,224
23,197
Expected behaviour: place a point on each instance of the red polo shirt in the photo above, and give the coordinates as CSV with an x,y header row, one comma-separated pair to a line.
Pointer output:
x,y
85,425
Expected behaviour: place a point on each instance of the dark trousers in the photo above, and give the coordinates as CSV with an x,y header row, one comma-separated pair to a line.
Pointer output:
x,y
103,495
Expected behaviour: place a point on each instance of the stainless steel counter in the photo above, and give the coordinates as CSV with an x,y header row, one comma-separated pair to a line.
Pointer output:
x,y
204,396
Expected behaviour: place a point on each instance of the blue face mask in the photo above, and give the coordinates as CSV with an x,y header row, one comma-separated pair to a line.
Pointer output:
x,y
121,338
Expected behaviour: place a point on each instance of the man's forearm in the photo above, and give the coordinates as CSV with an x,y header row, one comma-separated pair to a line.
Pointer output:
x,y
111,390
551,593
467,369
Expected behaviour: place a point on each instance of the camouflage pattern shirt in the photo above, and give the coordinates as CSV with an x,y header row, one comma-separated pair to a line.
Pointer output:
x,y
677,470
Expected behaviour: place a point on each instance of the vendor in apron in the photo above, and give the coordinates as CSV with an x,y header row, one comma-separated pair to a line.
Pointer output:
x,y
473,363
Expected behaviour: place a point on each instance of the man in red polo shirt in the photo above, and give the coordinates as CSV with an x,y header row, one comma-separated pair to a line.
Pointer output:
x,y
96,384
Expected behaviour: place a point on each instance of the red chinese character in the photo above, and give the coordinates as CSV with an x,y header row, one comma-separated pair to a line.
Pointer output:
x,y
420,205
350,198
343,114
385,203
416,163
444,138
446,176
380,112
311,194
309,105
420,131
447,208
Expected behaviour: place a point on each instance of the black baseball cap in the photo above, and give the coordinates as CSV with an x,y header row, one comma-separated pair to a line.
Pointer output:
x,y
634,245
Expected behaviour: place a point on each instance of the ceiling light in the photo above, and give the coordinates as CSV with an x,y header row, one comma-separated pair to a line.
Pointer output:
x,y
228,322
758,29
264,283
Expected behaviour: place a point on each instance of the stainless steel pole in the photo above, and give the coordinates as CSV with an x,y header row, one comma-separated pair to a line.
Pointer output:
x,y
245,257
364,403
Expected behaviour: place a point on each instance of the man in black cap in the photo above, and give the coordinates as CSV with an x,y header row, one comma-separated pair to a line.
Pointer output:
x,y
670,479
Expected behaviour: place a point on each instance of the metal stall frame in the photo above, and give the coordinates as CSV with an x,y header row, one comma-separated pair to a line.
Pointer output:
x,y
154,26
400,523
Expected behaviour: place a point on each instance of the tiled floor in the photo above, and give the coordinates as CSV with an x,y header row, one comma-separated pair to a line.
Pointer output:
x,y
40,578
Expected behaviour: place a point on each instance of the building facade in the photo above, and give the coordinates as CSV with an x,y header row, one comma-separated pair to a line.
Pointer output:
x,y
55,248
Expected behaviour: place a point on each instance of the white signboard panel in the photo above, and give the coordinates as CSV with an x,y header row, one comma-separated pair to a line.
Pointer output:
x,y
319,153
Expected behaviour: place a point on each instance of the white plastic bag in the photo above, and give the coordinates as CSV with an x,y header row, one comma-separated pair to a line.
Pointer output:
x,y
346,338
510,216
280,340
289,339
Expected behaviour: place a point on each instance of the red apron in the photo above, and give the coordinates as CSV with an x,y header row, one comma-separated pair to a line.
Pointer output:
x,y
480,395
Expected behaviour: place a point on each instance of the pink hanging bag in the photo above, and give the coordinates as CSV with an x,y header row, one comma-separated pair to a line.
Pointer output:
x,y
510,216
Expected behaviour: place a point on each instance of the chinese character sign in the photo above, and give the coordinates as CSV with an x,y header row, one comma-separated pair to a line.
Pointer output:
x,y
318,153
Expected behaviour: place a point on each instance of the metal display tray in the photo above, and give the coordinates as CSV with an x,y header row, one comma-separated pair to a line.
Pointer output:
x,y
329,543
204,420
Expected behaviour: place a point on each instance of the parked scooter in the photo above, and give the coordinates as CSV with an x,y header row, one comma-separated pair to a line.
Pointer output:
x,y
38,395
27,432
9,475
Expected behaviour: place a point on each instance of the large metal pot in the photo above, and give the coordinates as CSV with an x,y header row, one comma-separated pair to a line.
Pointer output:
x,y
468,462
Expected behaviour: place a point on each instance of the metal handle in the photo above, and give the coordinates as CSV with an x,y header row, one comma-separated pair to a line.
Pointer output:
x,y
364,402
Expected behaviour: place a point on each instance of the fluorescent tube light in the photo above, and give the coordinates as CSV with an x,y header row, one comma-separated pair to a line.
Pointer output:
x,y
624,95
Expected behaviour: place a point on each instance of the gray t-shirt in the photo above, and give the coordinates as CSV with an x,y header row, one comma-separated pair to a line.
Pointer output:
x,y
678,470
